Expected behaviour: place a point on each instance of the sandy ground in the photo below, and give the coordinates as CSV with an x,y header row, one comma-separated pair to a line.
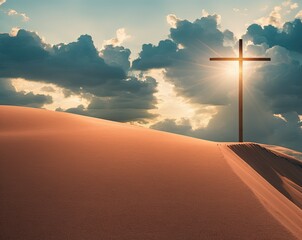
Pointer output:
x,y
64,176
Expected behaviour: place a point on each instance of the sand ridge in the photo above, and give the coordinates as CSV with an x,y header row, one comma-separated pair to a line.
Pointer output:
x,y
65,176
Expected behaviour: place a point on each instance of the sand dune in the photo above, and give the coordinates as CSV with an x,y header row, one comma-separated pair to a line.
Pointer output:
x,y
65,176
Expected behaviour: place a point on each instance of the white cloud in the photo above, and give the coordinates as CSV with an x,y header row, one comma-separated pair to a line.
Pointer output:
x,y
13,12
274,18
204,13
294,6
121,37
172,20
2,1
299,15
14,31
289,4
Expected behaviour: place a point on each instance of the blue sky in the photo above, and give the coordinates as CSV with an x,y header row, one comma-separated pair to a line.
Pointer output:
x,y
147,63
145,20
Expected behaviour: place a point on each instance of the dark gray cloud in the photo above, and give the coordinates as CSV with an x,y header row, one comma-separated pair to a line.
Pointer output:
x,y
288,37
79,68
161,56
117,56
281,83
75,65
9,96
125,107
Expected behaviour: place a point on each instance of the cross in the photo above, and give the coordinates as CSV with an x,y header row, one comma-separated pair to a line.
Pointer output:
x,y
240,59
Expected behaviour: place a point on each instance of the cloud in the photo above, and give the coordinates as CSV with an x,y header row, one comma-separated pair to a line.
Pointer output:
x,y
274,18
9,96
48,89
294,6
299,15
121,37
290,4
14,31
266,129
280,82
172,20
2,1
185,58
124,107
161,56
288,36
13,12
182,127
116,56
77,67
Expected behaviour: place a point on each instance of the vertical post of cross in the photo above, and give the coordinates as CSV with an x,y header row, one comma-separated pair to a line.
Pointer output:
x,y
240,91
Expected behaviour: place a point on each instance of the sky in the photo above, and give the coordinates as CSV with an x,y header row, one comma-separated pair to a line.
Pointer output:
x,y
147,63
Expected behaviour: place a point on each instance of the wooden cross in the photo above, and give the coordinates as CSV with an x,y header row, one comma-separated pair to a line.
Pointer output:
x,y
240,59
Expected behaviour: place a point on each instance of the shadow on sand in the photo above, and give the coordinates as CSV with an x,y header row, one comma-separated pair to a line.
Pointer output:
x,y
282,172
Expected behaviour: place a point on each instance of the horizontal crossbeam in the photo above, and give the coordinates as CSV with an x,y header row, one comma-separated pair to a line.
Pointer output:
x,y
240,59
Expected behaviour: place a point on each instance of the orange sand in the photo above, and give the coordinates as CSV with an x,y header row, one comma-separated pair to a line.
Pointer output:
x,y
65,176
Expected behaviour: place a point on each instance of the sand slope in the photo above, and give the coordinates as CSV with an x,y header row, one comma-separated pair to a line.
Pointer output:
x,y
64,176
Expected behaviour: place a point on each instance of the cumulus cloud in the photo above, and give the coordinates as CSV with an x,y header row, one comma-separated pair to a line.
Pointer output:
x,y
161,56
13,12
288,36
294,6
290,4
116,56
9,96
278,85
185,57
77,67
204,13
14,31
275,17
124,107
299,15
121,37
172,20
